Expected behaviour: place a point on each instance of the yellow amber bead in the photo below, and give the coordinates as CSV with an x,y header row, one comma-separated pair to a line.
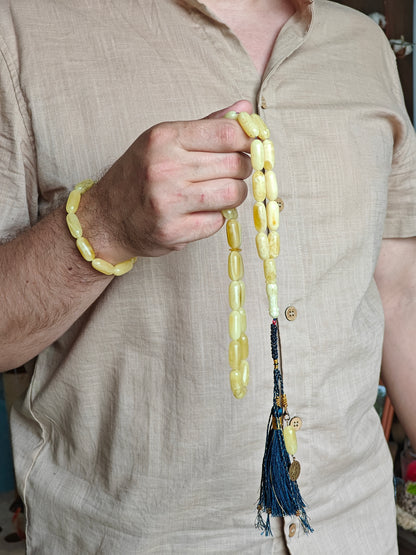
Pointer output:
x,y
234,324
243,320
74,225
269,267
232,114
262,244
264,132
274,244
271,289
268,154
242,292
234,294
123,267
83,186
103,266
291,442
234,354
259,186
257,154
237,387
272,190
235,266
244,372
85,248
234,233
260,217
273,215
230,213
243,341
247,124
72,203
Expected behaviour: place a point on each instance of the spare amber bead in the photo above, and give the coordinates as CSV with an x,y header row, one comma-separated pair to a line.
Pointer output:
x,y
291,442
243,346
272,190
244,372
262,245
269,266
247,124
234,233
85,249
257,154
103,266
264,132
229,213
234,324
235,266
73,201
237,387
259,186
268,154
123,267
274,244
273,215
260,217
74,225
234,354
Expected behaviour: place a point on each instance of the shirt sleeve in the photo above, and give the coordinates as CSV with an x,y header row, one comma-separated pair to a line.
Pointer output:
x,y
401,204
18,180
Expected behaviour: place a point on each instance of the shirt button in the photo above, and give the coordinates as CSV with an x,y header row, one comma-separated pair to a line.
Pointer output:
x,y
292,530
291,313
296,422
263,103
281,203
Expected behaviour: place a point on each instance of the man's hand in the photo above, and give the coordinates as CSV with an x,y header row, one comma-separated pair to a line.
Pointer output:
x,y
169,188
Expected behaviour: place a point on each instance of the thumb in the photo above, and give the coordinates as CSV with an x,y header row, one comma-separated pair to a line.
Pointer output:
x,y
239,106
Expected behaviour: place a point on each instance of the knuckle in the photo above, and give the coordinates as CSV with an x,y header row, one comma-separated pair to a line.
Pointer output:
x,y
227,132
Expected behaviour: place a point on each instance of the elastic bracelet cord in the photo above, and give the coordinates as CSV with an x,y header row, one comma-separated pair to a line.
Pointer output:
x,y
83,245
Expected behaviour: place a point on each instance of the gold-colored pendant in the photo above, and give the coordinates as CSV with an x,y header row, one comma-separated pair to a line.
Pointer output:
x,y
294,470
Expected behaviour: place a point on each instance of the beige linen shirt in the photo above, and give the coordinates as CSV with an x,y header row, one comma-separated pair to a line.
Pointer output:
x,y
129,440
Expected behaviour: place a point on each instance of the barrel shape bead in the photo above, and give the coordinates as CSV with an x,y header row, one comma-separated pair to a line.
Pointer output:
x,y
234,294
274,244
233,233
264,131
260,217
237,387
123,267
103,266
272,190
74,225
230,213
243,320
257,154
234,326
234,354
85,248
72,203
248,125
269,156
244,372
262,244
258,182
235,266
270,273
273,215
243,341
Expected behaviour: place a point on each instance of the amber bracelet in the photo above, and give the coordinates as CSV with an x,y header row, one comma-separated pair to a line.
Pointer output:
x,y
83,245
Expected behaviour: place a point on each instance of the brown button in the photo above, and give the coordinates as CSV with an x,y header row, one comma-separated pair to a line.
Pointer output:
x,y
291,313
263,103
281,203
292,530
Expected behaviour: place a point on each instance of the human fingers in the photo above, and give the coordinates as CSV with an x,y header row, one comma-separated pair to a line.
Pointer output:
x,y
215,195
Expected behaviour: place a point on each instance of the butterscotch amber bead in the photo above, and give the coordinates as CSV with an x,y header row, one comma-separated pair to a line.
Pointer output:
x,y
260,217
123,267
269,267
262,244
234,294
235,266
74,225
271,289
264,132
272,190
291,442
234,324
258,182
273,215
85,248
84,186
234,354
237,387
274,244
72,203
103,266
230,213
233,233
244,372
243,341
257,154
268,154
243,320
247,124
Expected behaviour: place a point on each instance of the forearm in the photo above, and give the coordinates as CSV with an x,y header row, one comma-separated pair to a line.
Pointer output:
x,y
46,286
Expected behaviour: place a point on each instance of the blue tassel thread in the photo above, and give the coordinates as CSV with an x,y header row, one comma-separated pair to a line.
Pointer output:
x,y
279,495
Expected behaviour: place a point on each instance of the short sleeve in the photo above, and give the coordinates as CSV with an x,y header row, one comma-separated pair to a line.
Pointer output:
x,y
401,205
18,183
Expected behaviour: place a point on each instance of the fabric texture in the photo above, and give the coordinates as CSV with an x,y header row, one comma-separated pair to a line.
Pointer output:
x,y
129,440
